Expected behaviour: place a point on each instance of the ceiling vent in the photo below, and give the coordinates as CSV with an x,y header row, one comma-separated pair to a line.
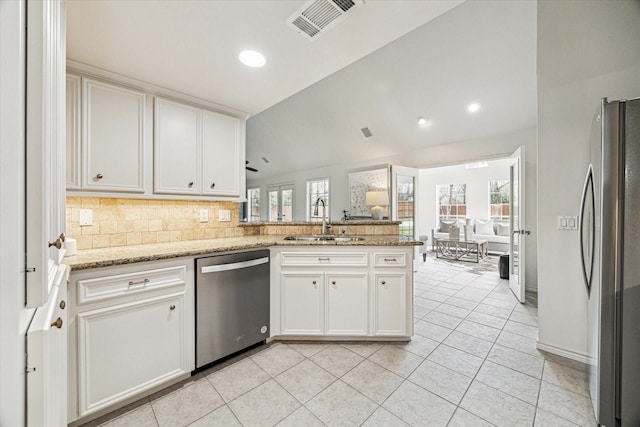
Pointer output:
x,y
318,16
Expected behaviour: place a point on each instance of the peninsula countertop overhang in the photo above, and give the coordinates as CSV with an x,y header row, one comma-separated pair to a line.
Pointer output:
x,y
105,257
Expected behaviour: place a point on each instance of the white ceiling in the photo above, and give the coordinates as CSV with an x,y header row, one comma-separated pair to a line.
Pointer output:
x,y
382,67
481,51
192,46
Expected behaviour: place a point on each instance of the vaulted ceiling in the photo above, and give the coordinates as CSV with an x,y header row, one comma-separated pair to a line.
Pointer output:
x,y
382,67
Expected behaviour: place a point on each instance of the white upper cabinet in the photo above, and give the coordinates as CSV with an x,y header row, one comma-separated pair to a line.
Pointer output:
x,y
177,147
197,151
113,137
125,139
221,162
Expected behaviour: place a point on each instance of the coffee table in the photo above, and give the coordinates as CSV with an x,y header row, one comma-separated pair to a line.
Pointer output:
x,y
461,250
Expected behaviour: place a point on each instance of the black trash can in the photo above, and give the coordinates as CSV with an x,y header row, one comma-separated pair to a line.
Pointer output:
x,y
503,266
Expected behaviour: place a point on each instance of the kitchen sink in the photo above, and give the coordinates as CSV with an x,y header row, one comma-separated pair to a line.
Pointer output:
x,y
325,237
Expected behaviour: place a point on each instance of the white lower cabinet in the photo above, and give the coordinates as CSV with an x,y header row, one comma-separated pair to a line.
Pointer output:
x,y
302,303
347,303
126,348
346,292
131,332
390,303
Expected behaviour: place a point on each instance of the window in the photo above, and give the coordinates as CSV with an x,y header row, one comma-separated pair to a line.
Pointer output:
x,y
253,199
281,202
317,189
452,201
499,200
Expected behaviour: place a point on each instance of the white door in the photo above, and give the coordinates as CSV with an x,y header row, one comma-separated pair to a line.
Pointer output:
x,y
280,203
404,205
517,224
46,142
222,162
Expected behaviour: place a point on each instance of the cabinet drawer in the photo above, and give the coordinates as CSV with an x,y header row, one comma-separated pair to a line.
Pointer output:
x,y
302,259
389,260
104,288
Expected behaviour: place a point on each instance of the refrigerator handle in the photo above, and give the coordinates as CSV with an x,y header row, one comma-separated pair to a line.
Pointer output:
x,y
588,185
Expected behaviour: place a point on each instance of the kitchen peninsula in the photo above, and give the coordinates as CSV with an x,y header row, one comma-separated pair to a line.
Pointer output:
x,y
342,289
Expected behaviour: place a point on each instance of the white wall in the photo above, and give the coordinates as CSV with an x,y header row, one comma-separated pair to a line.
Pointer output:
x,y
477,181
13,315
586,50
441,155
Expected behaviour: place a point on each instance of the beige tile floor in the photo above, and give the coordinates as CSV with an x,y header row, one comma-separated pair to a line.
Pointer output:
x,y
472,362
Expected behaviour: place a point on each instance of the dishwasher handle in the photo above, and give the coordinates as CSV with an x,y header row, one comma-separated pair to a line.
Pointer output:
x,y
235,265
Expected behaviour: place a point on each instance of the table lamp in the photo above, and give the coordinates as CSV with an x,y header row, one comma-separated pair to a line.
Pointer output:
x,y
377,199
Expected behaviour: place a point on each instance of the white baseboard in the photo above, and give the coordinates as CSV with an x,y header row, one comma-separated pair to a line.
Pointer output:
x,y
580,357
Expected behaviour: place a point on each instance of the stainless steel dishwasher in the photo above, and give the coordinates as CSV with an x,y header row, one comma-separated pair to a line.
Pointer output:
x,y
232,304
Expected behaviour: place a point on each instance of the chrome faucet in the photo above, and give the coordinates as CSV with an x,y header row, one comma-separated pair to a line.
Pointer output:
x,y
325,219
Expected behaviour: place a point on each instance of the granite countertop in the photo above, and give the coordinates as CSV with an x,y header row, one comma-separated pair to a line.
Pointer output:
x,y
95,258
333,222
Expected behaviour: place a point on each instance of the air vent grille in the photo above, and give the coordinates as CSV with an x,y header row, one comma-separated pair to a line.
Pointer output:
x,y
317,16
305,26
344,4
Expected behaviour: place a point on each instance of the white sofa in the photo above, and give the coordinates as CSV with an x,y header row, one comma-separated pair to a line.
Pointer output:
x,y
498,241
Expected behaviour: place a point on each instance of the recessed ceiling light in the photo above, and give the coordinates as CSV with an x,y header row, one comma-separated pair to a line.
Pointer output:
x,y
424,121
252,58
472,108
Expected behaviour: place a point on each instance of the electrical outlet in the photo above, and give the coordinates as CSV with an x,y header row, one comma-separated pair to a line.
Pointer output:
x,y
86,217
204,215
224,215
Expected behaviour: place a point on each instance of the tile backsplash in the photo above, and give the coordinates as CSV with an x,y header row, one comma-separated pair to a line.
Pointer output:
x,y
126,222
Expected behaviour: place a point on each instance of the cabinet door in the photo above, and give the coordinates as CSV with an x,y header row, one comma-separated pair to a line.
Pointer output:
x,y
221,162
346,308
302,302
177,148
73,131
390,304
113,137
128,348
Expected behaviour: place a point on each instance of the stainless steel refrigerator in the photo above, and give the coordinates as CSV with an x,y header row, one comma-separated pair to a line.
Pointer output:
x,y
610,249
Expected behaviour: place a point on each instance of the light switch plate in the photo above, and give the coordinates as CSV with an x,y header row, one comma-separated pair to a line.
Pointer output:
x,y
567,223
86,217
204,215
224,215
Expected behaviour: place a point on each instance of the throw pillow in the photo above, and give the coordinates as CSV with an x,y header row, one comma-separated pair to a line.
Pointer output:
x,y
445,227
503,229
485,227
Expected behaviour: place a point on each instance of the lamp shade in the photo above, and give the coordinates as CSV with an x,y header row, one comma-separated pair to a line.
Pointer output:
x,y
377,198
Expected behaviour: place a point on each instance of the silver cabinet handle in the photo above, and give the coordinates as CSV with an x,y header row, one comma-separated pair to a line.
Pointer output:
x,y
99,176
139,282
